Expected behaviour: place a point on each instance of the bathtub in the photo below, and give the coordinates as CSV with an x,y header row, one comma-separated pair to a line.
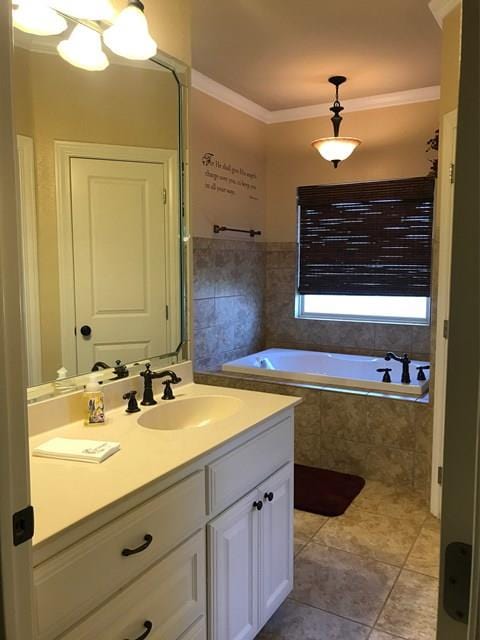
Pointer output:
x,y
330,369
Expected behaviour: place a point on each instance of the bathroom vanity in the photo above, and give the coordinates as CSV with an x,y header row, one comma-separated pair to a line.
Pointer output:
x,y
186,533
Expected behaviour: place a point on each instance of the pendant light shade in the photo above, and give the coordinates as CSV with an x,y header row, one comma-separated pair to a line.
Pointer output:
x,y
129,36
337,148
85,9
36,17
83,49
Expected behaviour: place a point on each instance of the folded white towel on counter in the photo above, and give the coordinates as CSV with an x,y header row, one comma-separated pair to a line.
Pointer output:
x,y
78,450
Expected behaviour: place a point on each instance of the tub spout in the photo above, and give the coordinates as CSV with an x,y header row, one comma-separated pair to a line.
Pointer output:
x,y
405,360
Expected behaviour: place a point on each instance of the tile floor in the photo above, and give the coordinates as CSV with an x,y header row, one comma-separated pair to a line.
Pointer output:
x,y
371,574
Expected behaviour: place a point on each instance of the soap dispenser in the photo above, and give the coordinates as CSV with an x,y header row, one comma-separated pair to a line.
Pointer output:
x,y
63,384
94,402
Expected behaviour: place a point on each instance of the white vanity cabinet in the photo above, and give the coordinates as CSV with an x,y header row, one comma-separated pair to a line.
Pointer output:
x,y
250,549
141,572
75,581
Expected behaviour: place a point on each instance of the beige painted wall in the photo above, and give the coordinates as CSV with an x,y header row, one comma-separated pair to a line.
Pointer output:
x,y
239,141
125,106
450,72
394,141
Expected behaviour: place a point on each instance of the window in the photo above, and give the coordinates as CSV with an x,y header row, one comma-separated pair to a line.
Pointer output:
x,y
365,251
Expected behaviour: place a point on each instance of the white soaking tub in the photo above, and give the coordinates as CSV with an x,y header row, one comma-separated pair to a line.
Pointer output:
x,y
331,369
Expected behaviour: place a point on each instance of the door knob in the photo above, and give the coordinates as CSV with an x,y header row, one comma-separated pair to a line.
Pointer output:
x,y
269,496
258,505
86,331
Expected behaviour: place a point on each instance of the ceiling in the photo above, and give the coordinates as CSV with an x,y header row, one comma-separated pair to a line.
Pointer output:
x,y
280,53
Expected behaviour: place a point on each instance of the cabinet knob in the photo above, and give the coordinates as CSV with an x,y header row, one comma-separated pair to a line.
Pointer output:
x,y
148,626
258,505
269,496
130,552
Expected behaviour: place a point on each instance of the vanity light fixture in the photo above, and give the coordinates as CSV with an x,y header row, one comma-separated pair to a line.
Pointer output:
x,y
83,49
129,36
36,17
336,148
85,9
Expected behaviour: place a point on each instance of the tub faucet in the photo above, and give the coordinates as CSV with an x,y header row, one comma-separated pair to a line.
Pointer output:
x,y
405,360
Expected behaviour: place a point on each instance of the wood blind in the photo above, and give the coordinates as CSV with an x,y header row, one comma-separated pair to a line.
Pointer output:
x,y
371,238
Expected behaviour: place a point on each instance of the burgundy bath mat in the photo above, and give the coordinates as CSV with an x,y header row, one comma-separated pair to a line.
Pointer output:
x,y
328,493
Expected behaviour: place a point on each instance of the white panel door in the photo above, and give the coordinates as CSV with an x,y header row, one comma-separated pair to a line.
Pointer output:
x,y
118,218
233,562
276,542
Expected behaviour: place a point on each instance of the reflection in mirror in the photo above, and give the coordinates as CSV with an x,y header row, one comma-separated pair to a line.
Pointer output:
x,y
99,156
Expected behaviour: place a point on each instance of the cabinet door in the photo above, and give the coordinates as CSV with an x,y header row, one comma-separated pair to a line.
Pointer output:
x,y
233,566
276,542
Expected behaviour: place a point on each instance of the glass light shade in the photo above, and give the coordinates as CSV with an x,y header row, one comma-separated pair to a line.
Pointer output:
x,y
36,17
129,36
336,149
83,49
85,9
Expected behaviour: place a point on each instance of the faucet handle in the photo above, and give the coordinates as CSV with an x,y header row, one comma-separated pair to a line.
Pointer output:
x,y
168,393
147,372
386,374
132,407
120,370
421,372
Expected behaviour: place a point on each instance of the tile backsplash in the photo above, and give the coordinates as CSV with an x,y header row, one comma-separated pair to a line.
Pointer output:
x,y
244,301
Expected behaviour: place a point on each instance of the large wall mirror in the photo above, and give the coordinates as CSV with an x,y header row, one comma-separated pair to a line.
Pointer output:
x,y
101,206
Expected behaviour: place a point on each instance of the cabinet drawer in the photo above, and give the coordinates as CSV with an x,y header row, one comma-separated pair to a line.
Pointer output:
x,y
169,598
72,583
238,472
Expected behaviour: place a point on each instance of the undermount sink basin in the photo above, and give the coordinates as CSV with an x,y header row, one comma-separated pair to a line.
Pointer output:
x,y
190,413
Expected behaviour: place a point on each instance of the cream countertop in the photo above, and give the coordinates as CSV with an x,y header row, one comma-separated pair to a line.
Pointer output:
x,y
64,493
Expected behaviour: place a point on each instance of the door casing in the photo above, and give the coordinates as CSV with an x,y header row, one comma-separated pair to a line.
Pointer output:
x,y
444,228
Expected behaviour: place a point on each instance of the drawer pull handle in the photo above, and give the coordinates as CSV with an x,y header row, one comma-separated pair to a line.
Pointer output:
x,y
130,552
148,626
269,496
258,505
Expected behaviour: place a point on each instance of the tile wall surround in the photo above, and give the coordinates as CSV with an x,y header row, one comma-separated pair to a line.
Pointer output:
x,y
228,298
244,301
379,438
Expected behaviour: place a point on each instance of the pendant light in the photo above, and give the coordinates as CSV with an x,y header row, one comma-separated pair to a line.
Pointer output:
x,y
336,148
83,49
37,18
129,36
85,9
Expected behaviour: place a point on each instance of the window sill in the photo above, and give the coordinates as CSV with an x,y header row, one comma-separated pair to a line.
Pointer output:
x,y
364,320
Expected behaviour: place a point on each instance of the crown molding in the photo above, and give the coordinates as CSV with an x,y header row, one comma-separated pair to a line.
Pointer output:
x,y
441,8
227,96
381,101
